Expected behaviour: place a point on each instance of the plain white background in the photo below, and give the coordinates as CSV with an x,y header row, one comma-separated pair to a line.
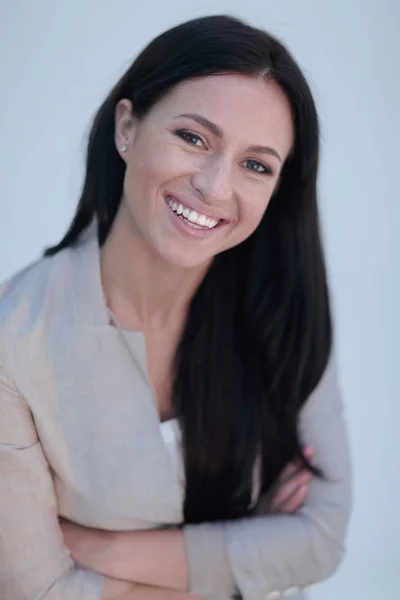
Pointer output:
x,y
58,61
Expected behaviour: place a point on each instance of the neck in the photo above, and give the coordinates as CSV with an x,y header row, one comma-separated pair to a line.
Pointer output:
x,y
141,290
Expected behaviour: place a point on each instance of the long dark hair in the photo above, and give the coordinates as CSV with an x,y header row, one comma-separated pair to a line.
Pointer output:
x,y
258,333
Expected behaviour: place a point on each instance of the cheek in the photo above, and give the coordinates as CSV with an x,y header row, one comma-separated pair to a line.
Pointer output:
x,y
153,165
142,179
149,171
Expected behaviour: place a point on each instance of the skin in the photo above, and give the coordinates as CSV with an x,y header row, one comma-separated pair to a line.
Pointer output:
x,y
152,264
219,176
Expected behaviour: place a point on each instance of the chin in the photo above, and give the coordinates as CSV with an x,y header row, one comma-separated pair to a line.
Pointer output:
x,y
186,263
186,260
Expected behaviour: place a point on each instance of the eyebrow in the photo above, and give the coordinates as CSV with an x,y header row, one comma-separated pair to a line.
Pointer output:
x,y
217,131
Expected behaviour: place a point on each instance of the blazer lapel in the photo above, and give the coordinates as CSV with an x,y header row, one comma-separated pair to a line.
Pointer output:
x,y
103,404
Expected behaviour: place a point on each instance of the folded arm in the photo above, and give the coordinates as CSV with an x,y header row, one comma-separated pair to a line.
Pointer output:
x,y
34,563
256,556
275,553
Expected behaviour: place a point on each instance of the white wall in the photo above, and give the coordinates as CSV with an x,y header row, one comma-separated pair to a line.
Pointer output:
x,y
58,60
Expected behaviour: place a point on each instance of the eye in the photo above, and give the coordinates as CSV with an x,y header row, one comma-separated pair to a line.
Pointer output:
x,y
190,137
258,167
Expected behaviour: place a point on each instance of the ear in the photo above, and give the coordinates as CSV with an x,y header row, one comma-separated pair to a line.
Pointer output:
x,y
125,127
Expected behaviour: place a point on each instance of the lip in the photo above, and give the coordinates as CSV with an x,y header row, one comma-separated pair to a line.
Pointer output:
x,y
186,229
195,208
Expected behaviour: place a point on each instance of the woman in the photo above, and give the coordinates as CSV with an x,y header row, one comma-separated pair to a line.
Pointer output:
x,y
172,354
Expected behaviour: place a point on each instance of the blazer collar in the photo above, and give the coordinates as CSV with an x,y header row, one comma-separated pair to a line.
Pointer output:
x,y
90,304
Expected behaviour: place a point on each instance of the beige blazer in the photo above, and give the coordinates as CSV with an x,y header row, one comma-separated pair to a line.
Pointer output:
x,y
80,437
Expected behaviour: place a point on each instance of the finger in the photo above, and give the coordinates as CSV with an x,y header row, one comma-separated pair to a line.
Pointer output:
x,y
295,467
308,452
295,501
298,464
310,458
285,491
288,472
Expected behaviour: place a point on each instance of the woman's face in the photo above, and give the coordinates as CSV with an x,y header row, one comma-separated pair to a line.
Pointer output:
x,y
203,164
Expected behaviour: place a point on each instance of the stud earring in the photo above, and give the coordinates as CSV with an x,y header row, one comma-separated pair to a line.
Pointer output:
x,y
124,148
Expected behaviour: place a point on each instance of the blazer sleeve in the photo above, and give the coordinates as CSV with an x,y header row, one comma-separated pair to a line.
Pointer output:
x,y
273,556
34,563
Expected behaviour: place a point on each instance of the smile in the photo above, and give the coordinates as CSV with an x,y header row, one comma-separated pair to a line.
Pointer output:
x,y
191,217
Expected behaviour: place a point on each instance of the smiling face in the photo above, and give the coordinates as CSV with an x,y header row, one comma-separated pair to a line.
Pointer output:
x,y
202,164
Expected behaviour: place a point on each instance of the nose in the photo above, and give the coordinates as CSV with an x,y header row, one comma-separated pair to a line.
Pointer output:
x,y
214,181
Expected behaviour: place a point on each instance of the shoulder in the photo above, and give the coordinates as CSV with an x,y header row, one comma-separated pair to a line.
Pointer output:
x,y
31,294
49,304
327,395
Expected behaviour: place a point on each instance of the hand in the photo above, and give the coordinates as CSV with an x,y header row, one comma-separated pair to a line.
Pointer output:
x,y
148,592
88,546
114,554
290,490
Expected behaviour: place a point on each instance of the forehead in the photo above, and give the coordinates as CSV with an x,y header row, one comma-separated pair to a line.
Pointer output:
x,y
248,109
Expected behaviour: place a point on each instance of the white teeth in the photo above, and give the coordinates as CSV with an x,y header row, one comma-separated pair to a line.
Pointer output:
x,y
192,215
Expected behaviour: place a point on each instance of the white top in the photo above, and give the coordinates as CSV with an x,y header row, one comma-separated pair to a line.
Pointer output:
x,y
172,437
